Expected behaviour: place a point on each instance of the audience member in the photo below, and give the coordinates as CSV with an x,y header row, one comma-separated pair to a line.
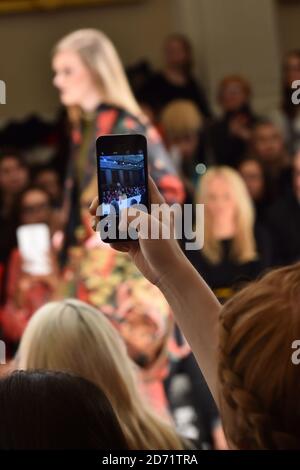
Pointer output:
x,y
14,177
25,291
234,250
284,220
229,135
42,410
48,179
176,80
73,336
288,116
268,146
181,125
252,171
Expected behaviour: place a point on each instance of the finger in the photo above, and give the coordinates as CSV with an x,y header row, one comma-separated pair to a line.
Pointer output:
x,y
155,196
94,223
93,206
122,246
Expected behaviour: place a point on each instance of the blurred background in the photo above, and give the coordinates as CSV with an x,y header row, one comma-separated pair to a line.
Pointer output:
x,y
236,36
211,85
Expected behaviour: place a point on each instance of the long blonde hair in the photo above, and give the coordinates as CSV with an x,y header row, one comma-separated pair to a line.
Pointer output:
x,y
244,246
99,55
259,380
72,336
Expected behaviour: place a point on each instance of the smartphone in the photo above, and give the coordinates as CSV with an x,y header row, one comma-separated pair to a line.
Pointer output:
x,y
34,245
122,172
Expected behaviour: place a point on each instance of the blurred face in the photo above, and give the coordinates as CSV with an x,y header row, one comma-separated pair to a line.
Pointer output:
x,y
13,176
187,145
48,180
35,207
176,54
268,142
296,176
72,78
252,174
291,70
220,201
233,96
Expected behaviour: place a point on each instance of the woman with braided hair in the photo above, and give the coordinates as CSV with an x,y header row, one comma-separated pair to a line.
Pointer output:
x,y
244,348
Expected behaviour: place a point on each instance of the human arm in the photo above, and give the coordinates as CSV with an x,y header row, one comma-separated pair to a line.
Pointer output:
x,y
194,305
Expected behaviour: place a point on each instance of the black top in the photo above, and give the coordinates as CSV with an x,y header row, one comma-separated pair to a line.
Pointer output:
x,y
228,276
284,223
227,148
277,183
159,91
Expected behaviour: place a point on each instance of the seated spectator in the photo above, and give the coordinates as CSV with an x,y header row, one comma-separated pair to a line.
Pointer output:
x,y
26,292
42,410
14,177
40,140
252,171
48,179
71,335
268,146
138,76
230,135
181,125
176,80
233,251
284,220
288,116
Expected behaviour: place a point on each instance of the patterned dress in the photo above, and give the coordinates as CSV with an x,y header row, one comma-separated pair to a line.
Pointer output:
x,y
113,120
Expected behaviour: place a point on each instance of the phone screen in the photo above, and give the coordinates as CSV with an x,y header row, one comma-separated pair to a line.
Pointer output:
x,y
34,245
122,173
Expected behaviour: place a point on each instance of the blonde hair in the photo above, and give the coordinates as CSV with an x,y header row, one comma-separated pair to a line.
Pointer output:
x,y
72,336
259,385
243,246
99,55
180,118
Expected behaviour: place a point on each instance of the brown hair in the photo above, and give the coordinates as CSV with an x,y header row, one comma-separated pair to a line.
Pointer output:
x,y
245,85
259,384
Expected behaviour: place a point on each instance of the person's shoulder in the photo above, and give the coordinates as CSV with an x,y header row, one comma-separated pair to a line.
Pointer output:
x,y
262,234
158,77
281,208
119,120
285,200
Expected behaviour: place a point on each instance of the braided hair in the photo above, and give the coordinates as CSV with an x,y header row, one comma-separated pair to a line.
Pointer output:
x,y
259,384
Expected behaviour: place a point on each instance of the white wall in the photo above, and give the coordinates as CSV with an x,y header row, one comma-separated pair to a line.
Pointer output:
x,y
288,19
26,41
239,36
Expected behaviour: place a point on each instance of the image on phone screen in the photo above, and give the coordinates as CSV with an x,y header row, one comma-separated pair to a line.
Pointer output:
x,y
122,173
123,181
